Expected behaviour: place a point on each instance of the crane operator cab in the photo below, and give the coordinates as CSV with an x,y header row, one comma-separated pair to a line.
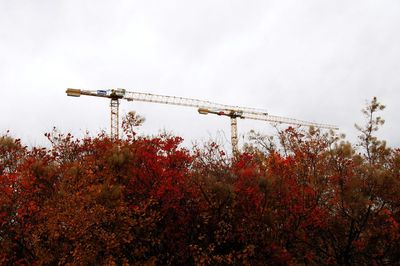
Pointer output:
x,y
117,93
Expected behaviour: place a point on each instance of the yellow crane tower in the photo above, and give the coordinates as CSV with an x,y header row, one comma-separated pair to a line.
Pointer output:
x,y
203,107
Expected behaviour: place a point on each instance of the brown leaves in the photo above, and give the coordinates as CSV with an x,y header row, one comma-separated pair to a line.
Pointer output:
x,y
309,200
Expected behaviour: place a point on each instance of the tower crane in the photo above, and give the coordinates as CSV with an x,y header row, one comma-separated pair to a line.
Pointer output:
x,y
203,107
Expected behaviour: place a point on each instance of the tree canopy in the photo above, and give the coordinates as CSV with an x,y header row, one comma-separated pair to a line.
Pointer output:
x,y
301,198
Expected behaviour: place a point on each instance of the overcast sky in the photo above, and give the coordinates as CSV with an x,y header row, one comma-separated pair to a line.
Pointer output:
x,y
313,60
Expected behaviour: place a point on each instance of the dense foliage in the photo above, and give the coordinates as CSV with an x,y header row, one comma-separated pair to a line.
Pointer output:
x,y
307,198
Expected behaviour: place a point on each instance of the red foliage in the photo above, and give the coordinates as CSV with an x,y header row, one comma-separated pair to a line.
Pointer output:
x,y
148,201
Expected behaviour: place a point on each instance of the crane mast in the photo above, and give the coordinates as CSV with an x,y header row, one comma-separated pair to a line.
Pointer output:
x,y
204,107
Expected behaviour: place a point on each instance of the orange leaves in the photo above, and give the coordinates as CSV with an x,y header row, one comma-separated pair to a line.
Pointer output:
x,y
147,201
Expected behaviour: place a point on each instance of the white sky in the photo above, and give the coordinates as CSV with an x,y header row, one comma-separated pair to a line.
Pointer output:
x,y
314,60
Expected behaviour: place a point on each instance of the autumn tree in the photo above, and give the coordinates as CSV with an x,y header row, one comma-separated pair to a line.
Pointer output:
x,y
301,197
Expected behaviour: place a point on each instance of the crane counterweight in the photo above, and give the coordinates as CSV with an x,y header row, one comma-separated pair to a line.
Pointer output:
x,y
73,92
